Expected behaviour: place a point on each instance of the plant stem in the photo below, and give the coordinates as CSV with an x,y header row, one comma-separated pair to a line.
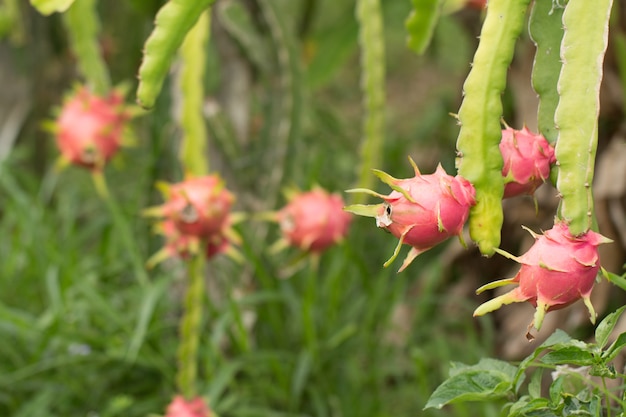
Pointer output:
x,y
190,329
371,40
83,26
193,148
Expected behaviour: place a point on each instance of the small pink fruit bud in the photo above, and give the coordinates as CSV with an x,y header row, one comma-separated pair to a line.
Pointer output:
x,y
198,206
422,211
89,128
557,270
527,160
180,407
196,215
314,220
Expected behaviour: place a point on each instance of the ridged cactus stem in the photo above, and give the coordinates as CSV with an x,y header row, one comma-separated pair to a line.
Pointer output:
x,y
190,323
371,38
479,158
193,151
82,24
582,53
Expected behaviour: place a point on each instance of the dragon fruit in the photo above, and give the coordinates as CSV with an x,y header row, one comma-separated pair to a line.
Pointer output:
x,y
196,215
557,270
313,221
89,128
180,407
198,206
421,211
527,160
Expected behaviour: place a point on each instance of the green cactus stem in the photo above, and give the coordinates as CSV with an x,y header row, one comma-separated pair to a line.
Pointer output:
x,y
582,53
371,38
83,26
193,151
479,158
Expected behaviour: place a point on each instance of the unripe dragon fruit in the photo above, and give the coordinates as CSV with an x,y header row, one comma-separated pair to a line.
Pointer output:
x,y
198,206
557,270
422,211
314,220
196,215
180,407
89,128
527,160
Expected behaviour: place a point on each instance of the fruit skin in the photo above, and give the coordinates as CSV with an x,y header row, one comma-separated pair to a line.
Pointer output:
x,y
422,211
528,158
196,217
198,206
89,128
180,407
557,270
314,220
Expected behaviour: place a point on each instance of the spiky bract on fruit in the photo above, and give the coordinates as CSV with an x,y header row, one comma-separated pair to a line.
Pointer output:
x,y
557,270
421,211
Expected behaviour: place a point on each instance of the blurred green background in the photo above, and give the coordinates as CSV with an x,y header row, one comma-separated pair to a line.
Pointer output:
x,y
81,334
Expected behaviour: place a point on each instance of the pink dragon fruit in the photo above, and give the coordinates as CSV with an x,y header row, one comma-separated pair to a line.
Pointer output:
x,y
89,128
196,215
527,160
557,270
422,211
180,407
198,206
313,221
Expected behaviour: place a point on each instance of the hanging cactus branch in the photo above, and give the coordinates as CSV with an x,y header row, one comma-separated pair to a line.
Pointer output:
x,y
372,46
173,21
546,31
582,53
421,23
193,153
82,24
479,159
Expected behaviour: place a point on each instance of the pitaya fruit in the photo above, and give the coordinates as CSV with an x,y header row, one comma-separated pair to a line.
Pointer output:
x,y
557,270
313,221
89,128
196,216
180,407
527,161
422,211
198,206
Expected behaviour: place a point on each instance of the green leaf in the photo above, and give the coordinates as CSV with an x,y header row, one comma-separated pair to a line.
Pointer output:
x,y
604,329
421,23
47,7
559,337
571,355
615,348
537,407
489,379
619,280
575,406
534,387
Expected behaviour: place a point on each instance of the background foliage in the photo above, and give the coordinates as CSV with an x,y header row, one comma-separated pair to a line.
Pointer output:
x,y
84,334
